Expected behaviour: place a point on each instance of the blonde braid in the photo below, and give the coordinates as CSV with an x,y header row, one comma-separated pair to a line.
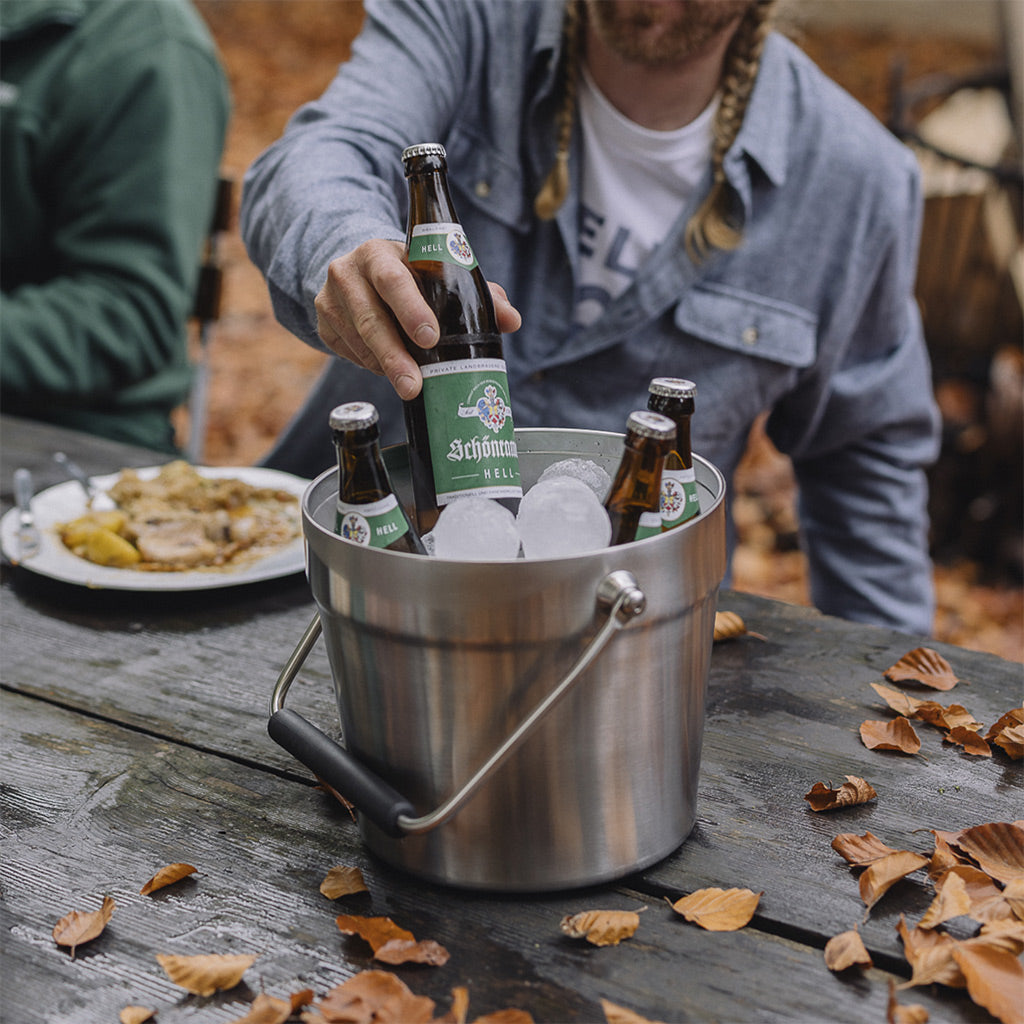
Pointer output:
x,y
556,186
709,227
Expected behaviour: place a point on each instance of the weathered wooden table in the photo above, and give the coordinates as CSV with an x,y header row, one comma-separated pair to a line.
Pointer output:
x,y
134,736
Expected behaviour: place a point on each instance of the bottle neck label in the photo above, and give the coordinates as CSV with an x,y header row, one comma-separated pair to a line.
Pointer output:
x,y
679,500
469,423
444,242
649,525
375,525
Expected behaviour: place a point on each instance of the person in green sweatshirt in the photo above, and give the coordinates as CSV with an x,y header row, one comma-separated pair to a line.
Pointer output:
x,y
113,116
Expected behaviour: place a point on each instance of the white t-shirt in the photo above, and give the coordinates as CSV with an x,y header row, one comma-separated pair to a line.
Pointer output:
x,y
635,181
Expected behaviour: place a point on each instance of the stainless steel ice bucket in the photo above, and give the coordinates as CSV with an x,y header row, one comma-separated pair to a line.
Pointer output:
x,y
515,725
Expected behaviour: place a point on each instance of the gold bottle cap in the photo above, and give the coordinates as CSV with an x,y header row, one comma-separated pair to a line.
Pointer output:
x,y
353,416
673,387
423,149
650,424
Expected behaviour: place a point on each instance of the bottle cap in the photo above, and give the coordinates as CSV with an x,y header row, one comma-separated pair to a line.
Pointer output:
x,y
650,424
423,149
673,387
353,416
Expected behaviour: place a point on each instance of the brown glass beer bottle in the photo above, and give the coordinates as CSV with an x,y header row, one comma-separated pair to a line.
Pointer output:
x,y
459,428
674,398
634,501
368,510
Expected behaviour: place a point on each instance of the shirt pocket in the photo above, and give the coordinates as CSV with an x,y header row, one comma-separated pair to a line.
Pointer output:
x,y
485,180
749,323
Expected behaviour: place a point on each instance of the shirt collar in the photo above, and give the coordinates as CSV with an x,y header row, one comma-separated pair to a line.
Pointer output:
x,y
20,18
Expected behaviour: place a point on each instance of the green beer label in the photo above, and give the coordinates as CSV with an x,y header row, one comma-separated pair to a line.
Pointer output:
x,y
443,241
679,501
649,525
469,423
376,525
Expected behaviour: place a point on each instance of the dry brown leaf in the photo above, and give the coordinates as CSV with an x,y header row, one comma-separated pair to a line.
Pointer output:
x,y
729,625
510,1016
342,880
1006,934
852,792
951,900
956,716
719,910
374,930
902,703
205,974
995,980
860,850
988,902
81,926
880,876
945,856
930,955
301,998
135,1015
167,876
409,951
845,950
459,1010
371,997
614,1014
970,740
895,735
997,848
1015,716
1014,896
897,1013
1011,740
266,1009
601,927
925,666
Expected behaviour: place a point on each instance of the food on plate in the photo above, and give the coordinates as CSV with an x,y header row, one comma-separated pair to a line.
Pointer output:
x,y
182,520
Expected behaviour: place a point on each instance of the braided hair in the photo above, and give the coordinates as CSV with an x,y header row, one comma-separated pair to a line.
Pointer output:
x,y
710,226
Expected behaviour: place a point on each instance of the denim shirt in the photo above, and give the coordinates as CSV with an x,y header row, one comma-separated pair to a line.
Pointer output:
x,y
811,319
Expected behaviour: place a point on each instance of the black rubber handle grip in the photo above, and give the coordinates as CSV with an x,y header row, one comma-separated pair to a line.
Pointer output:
x,y
338,768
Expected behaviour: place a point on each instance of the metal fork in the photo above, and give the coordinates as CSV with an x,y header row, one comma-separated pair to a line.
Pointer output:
x,y
28,532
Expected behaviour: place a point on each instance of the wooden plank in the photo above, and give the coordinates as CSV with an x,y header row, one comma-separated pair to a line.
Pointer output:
x,y
92,809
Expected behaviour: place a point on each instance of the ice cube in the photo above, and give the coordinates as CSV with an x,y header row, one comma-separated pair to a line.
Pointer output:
x,y
475,530
561,516
596,478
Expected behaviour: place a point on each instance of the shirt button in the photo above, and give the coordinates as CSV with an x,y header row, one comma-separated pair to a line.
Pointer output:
x,y
749,336
482,189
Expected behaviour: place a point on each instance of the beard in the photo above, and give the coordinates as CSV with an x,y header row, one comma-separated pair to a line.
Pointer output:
x,y
656,32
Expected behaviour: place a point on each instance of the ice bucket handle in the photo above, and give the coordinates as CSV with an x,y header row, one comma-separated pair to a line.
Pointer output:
x,y
617,594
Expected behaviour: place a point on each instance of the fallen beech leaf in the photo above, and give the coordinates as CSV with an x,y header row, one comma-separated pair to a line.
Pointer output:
x,y
951,900
956,716
266,1009
1014,896
895,735
601,927
511,1016
375,996
1015,716
854,791
945,855
900,702
729,625
459,1008
930,955
860,850
167,876
925,666
342,881
1006,934
845,950
911,1013
995,980
408,951
988,902
719,910
374,930
620,1015
82,926
205,974
301,998
135,1015
997,848
969,740
1011,740
880,876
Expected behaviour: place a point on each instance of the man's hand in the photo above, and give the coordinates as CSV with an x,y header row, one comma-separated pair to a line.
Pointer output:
x,y
366,292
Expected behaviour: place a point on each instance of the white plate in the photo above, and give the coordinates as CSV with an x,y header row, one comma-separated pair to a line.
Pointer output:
x,y
66,501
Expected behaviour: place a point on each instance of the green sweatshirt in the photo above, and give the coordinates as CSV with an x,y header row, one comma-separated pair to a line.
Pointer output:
x,y
112,122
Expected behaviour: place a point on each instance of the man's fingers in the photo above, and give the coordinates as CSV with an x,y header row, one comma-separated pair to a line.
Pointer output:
x,y
506,314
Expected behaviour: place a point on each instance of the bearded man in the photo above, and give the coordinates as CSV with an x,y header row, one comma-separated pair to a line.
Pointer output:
x,y
665,188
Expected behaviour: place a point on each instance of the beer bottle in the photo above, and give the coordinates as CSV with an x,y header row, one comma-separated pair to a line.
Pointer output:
x,y
460,431
633,503
368,510
674,398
